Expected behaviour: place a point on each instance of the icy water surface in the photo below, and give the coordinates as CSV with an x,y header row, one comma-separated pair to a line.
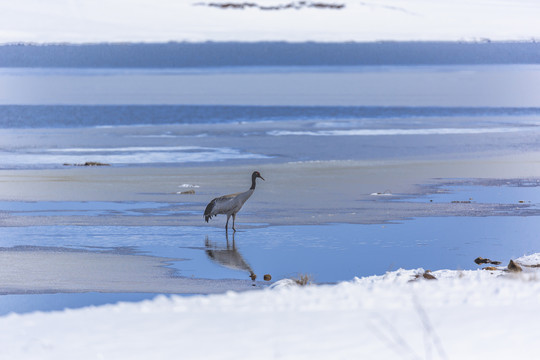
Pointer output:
x,y
406,86
329,253
261,114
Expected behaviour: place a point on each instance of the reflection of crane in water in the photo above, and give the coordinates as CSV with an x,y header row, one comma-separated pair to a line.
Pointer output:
x,y
228,256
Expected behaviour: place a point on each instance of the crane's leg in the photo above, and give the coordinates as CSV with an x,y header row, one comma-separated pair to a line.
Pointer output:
x,y
233,220
227,223
227,237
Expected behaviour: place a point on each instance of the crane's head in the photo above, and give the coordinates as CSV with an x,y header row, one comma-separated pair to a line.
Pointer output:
x,y
256,174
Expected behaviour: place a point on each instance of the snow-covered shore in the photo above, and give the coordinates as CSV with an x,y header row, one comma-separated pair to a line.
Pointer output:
x,y
267,20
461,315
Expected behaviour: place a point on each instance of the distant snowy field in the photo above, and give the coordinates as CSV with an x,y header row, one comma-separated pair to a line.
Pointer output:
x,y
461,315
267,20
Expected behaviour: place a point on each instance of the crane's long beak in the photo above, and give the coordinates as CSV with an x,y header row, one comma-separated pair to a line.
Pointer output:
x,y
262,177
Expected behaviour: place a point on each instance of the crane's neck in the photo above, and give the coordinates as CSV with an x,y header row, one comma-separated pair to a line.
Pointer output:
x,y
253,182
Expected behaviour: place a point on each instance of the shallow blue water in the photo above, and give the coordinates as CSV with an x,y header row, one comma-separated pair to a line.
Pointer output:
x,y
474,194
330,253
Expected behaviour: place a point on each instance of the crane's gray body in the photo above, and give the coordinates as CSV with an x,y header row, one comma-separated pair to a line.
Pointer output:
x,y
230,204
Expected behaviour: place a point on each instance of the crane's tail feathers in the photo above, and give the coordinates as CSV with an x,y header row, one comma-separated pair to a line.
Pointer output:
x,y
208,211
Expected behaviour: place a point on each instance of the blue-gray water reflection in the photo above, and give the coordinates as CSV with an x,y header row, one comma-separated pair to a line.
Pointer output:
x,y
330,253
227,255
342,251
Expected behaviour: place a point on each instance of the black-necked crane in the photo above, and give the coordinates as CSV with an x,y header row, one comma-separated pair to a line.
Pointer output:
x,y
230,204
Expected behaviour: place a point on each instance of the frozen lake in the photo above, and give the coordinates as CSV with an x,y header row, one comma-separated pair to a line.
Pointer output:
x,y
404,85
368,168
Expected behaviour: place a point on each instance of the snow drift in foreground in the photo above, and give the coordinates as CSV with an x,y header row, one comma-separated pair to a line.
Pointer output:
x,y
461,315
267,20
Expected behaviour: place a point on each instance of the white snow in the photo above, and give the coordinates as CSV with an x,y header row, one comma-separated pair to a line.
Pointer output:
x,y
461,315
85,21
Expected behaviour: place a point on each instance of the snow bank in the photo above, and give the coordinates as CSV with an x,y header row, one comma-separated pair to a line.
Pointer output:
x,y
342,20
461,315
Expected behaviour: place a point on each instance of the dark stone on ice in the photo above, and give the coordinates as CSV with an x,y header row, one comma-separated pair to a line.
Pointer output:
x,y
425,275
512,266
481,260
428,276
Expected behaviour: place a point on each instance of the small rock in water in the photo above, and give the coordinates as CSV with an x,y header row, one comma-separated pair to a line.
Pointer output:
x,y
512,266
187,192
267,277
253,276
88,163
481,260
428,276
95,163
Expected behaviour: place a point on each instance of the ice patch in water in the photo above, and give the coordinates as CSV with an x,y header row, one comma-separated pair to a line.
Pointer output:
x,y
188,186
387,132
129,149
122,155
386,193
